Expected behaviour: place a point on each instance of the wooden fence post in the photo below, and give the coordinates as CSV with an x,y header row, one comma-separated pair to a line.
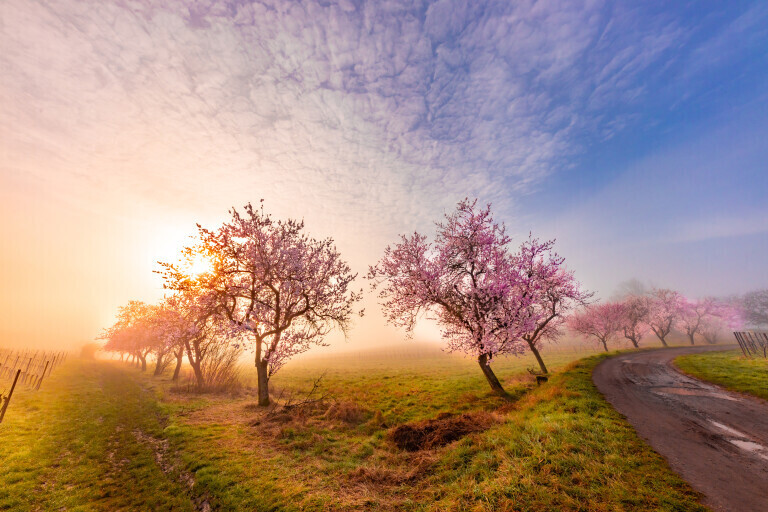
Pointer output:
x,y
26,372
10,394
737,335
41,377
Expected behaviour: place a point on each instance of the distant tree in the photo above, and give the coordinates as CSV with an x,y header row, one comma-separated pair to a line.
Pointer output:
x,y
631,288
162,349
694,313
469,281
665,311
555,288
280,289
132,332
88,350
173,330
723,317
600,321
634,318
755,308
192,323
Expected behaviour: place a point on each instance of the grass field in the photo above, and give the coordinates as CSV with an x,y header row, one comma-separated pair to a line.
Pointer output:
x,y
729,369
73,445
102,436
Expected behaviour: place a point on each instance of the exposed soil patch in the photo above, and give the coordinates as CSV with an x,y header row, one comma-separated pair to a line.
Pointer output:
x,y
444,429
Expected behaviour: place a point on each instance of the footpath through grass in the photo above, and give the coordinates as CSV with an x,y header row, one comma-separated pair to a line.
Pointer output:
x,y
82,443
729,369
104,437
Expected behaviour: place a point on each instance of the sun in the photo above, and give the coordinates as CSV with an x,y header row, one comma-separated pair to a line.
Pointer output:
x,y
198,265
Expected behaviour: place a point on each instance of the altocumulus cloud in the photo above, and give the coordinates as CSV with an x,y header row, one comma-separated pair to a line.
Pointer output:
x,y
383,112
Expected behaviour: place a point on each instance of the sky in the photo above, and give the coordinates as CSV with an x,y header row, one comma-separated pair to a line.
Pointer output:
x,y
633,133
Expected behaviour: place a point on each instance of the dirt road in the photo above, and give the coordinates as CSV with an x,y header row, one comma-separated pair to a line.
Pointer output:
x,y
714,439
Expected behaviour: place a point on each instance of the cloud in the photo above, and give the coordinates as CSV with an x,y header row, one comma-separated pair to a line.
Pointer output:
x,y
388,111
127,119
729,226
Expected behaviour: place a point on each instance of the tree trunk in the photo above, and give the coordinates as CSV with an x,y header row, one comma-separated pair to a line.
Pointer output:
x,y
537,356
179,359
263,378
635,343
605,345
197,369
663,341
143,360
491,377
195,361
690,337
159,365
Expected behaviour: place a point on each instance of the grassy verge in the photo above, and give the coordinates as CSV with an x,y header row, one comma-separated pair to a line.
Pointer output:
x,y
729,369
558,447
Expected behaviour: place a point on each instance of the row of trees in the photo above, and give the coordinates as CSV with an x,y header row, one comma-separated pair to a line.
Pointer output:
x,y
168,331
659,311
270,287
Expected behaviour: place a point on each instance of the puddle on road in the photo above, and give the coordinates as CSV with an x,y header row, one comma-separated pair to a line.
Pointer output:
x,y
728,429
758,449
743,443
694,392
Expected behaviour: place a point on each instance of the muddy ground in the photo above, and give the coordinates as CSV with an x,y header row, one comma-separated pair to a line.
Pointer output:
x,y
715,439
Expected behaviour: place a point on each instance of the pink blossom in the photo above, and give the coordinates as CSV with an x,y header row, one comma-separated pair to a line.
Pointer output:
x,y
484,297
600,321
277,287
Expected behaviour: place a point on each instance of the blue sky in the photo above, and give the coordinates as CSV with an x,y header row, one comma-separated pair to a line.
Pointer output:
x,y
633,133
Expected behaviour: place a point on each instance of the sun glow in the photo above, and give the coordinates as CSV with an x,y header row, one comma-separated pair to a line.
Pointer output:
x,y
198,264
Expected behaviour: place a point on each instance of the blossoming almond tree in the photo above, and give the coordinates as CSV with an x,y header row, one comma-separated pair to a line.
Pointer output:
x,y
167,321
724,316
665,311
279,288
132,333
188,322
557,292
467,280
600,321
694,313
634,320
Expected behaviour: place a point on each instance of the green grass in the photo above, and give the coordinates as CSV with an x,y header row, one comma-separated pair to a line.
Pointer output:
x,y
729,369
558,447
73,444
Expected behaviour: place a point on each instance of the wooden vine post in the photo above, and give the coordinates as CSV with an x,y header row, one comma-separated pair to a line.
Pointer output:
x,y
10,394
41,376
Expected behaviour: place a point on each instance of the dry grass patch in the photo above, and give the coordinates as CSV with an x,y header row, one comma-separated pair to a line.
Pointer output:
x,y
414,469
348,412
